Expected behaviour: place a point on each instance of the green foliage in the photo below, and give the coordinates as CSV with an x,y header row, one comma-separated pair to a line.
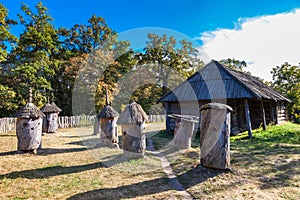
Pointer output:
x,y
5,36
147,96
7,94
234,64
169,61
32,60
286,80
94,35
93,48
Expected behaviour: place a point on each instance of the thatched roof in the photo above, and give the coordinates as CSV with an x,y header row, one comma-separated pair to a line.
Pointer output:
x,y
132,114
107,112
216,81
50,108
55,107
29,111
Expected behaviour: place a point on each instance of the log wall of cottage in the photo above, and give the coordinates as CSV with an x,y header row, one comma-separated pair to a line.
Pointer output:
x,y
275,112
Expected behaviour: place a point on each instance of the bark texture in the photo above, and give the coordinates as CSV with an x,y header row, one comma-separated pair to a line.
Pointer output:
x,y
29,133
214,138
133,140
109,132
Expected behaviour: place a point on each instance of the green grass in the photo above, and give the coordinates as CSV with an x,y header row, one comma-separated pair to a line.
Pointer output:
x,y
162,139
288,133
264,167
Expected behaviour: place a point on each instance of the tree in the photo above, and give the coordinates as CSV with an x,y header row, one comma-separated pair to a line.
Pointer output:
x,y
7,95
6,38
169,60
147,96
93,46
34,56
286,80
83,38
234,64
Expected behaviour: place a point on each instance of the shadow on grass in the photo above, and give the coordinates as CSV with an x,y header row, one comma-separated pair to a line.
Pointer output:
x,y
141,189
8,153
86,143
50,171
48,151
127,191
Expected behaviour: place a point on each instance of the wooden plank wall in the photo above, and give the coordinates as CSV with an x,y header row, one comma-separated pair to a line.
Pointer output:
x,y
238,119
281,112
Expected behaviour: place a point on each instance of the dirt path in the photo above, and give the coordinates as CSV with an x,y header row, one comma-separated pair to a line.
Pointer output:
x,y
166,165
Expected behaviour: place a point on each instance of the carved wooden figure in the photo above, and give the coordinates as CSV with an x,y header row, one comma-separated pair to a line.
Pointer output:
x,y
214,135
29,127
132,121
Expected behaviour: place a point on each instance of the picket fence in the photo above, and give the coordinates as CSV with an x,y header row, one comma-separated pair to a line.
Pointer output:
x,y
8,124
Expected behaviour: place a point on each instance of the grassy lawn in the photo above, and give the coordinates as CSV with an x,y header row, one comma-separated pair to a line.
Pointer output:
x,y
70,166
265,167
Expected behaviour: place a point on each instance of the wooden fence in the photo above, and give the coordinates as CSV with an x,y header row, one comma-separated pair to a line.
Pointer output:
x,y
9,124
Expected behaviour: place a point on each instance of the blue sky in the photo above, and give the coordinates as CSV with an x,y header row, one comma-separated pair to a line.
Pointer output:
x,y
205,21
188,17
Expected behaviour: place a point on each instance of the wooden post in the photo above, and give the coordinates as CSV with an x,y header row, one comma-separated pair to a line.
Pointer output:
x,y
248,120
263,115
167,107
276,109
184,130
214,135
272,112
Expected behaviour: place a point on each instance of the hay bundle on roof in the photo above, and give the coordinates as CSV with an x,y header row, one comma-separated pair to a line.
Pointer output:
x,y
108,112
133,114
50,122
51,108
55,107
29,111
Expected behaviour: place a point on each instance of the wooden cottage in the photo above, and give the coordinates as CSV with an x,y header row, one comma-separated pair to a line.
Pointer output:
x,y
29,127
50,121
254,103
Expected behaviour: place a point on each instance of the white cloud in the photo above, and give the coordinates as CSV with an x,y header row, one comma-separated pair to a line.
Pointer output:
x,y
263,42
